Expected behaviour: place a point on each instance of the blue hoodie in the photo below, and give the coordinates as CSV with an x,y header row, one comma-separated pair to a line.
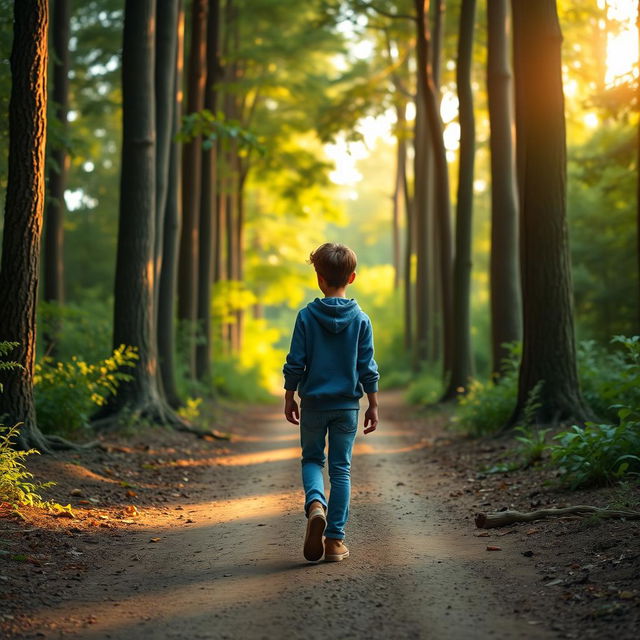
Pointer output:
x,y
331,362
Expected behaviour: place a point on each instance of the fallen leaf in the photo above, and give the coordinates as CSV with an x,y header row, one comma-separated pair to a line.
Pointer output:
x,y
131,510
492,548
154,540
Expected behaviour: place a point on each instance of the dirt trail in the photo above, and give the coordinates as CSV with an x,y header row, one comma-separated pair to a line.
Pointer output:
x,y
235,568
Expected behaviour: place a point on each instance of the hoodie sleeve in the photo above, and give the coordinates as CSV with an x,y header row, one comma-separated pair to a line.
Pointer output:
x,y
296,362
367,368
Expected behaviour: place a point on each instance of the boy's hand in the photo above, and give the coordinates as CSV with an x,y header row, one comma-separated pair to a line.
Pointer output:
x,y
291,412
371,419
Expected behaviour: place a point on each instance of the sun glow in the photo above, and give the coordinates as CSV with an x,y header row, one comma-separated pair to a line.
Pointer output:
x,y
622,44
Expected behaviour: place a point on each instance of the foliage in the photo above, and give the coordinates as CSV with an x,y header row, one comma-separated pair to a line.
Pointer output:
x,y
68,393
601,195
80,329
599,453
16,485
487,406
213,127
426,388
190,411
610,378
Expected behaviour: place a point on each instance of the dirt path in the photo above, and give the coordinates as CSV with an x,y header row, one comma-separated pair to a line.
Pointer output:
x,y
232,566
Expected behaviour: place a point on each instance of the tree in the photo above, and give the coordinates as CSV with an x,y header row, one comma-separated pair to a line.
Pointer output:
x,y
208,203
192,181
506,310
462,363
549,357
58,165
427,95
171,234
134,308
23,216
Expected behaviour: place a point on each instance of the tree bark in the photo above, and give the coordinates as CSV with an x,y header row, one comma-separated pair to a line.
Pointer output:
x,y
134,309
422,244
165,69
548,333
506,309
428,91
19,267
171,232
192,182
208,204
53,271
462,365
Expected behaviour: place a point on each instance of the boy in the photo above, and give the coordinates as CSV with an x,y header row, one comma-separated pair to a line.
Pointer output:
x,y
331,364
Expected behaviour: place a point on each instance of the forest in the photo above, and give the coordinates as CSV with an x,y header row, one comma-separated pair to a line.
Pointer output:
x,y
168,166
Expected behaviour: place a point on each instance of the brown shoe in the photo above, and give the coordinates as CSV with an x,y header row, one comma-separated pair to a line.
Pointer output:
x,y
316,523
335,550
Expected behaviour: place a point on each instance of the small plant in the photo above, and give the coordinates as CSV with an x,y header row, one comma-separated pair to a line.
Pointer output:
x,y
190,411
600,453
16,485
68,393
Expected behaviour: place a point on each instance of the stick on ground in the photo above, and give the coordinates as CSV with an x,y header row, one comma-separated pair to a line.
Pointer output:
x,y
504,518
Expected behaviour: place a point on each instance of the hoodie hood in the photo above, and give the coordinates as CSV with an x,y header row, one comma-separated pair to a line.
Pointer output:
x,y
334,314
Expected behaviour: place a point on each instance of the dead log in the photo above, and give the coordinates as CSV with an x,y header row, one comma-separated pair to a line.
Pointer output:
x,y
504,518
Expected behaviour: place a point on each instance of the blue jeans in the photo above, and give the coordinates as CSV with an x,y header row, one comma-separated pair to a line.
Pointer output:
x,y
341,425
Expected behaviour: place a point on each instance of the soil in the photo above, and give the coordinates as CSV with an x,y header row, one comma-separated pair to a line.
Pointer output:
x,y
179,537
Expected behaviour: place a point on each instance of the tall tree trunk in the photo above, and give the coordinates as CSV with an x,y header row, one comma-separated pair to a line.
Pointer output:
x,y
19,268
462,368
549,354
165,69
171,232
420,212
134,321
506,303
192,181
429,92
208,205
398,190
53,226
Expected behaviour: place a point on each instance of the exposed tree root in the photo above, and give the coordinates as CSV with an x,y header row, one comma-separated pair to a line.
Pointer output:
x,y
504,518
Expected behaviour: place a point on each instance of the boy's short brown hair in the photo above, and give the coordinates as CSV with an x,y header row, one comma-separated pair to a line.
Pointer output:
x,y
334,262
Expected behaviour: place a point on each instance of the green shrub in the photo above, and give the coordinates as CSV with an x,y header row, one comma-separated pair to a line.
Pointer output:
x,y
68,393
610,378
487,406
16,485
83,330
599,453
426,388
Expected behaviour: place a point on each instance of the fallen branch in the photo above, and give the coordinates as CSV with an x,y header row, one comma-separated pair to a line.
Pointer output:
x,y
503,518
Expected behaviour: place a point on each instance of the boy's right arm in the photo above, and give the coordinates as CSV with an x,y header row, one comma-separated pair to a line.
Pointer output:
x,y
293,370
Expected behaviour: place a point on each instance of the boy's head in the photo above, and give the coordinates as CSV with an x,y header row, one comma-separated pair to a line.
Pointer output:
x,y
335,263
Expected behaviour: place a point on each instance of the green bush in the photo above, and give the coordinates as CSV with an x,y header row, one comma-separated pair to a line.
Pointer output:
x,y
68,393
426,388
16,485
610,378
599,453
487,406
83,330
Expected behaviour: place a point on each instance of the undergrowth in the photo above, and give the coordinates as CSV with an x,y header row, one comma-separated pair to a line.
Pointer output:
x,y
68,393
